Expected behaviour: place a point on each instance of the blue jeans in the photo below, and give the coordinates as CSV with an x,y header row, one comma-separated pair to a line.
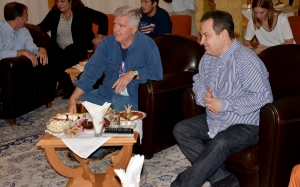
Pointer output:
x,y
208,160
118,102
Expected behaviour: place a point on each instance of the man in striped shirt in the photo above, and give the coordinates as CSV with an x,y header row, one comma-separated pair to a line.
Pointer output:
x,y
232,84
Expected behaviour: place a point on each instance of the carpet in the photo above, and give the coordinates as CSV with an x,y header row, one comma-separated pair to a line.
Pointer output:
x,y
22,164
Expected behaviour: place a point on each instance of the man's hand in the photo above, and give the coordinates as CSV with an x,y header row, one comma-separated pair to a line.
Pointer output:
x,y
97,39
29,55
123,81
43,56
212,104
73,99
212,4
260,48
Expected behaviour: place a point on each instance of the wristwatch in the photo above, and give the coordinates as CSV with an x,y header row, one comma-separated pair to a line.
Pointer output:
x,y
135,74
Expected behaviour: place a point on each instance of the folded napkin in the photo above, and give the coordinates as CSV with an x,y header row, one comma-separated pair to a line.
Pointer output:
x,y
97,113
131,178
79,67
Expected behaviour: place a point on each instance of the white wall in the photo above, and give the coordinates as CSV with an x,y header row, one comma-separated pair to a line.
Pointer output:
x,y
37,9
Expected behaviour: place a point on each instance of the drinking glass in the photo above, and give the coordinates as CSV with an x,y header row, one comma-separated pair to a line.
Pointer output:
x,y
115,118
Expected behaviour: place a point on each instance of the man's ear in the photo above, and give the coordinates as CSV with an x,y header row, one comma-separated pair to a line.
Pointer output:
x,y
224,34
155,4
134,30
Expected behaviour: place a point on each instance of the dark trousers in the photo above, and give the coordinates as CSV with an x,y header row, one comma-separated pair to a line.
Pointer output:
x,y
64,59
208,159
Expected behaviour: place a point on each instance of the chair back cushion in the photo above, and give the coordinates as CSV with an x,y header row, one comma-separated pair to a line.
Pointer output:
x,y
110,25
283,65
295,26
178,53
181,24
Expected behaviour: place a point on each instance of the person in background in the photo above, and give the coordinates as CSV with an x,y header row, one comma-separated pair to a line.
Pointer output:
x,y
15,39
188,7
270,28
155,21
70,23
232,84
127,59
295,177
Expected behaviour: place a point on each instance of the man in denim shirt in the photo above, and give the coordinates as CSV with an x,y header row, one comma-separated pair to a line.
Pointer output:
x,y
128,58
232,84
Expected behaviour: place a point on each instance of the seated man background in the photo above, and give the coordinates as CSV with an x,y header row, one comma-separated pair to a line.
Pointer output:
x,y
232,84
15,39
127,59
155,21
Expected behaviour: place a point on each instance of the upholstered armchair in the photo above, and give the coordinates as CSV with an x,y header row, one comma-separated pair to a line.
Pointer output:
x,y
269,163
23,87
162,100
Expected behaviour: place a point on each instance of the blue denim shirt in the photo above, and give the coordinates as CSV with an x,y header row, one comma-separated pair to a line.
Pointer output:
x,y
142,56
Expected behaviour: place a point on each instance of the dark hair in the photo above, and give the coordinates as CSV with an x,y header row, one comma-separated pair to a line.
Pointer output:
x,y
13,10
76,5
221,20
267,4
155,1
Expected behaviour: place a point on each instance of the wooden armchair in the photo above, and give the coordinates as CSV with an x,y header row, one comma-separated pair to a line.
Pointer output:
x,y
270,162
295,26
162,100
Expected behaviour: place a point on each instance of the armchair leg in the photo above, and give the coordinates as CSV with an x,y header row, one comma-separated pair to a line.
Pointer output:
x,y
12,121
49,104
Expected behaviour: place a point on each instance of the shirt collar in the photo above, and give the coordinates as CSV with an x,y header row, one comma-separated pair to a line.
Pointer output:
x,y
9,29
227,54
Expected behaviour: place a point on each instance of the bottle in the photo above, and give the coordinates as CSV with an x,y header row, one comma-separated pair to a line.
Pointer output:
x,y
89,53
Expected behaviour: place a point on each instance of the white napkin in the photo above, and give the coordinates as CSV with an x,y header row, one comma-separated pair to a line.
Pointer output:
x,y
77,66
97,113
133,172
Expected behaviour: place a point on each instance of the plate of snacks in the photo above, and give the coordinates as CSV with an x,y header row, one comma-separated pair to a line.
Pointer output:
x,y
73,131
131,115
70,116
57,126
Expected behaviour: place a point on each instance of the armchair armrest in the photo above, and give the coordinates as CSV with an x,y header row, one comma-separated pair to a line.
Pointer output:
x,y
190,107
279,134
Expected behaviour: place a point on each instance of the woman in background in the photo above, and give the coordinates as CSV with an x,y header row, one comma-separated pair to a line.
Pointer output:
x,y
270,28
70,23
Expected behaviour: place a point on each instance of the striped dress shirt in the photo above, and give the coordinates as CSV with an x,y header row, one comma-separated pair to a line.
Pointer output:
x,y
11,41
240,79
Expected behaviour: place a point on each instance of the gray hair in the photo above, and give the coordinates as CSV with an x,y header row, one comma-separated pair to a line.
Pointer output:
x,y
132,14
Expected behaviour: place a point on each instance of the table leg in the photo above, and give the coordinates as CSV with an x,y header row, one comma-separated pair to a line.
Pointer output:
x,y
119,161
80,176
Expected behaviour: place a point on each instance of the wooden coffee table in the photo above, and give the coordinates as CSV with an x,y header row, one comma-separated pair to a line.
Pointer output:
x,y
82,175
